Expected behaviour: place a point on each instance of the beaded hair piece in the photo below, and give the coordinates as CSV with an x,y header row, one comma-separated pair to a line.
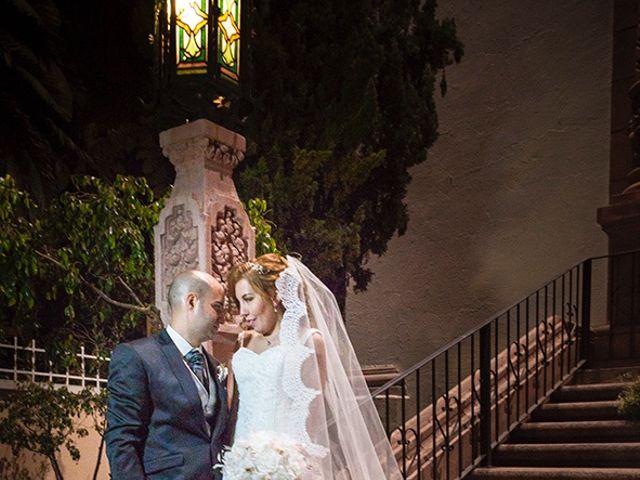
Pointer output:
x,y
256,267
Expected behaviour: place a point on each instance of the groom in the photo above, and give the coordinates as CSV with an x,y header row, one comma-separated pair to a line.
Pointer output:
x,y
167,414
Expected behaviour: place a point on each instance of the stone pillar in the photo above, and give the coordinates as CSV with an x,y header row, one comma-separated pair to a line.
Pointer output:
x,y
203,225
621,218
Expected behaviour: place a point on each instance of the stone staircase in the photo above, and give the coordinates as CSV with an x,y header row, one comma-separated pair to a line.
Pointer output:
x,y
576,434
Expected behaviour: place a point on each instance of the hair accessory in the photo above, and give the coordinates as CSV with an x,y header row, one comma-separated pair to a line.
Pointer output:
x,y
256,267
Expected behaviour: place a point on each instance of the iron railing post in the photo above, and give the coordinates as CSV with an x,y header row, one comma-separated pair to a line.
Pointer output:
x,y
485,393
586,310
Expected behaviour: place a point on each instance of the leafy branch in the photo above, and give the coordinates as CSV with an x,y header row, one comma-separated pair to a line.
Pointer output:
x,y
148,309
79,266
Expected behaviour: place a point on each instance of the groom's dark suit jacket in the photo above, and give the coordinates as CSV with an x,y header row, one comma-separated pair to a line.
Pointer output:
x,y
156,427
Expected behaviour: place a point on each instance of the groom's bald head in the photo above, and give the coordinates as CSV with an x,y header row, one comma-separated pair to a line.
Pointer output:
x,y
195,303
190,281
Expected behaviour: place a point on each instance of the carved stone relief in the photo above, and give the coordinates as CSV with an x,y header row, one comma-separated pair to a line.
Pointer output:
x,y
222,157
228,244
217,156
179,245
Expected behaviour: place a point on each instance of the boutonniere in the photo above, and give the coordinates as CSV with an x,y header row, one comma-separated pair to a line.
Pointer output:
x,y
222,372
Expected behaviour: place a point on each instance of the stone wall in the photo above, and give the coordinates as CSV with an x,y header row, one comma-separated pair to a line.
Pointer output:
x,y
507,198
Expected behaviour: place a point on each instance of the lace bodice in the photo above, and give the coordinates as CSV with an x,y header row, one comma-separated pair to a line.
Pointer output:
x,y
272,396
257,376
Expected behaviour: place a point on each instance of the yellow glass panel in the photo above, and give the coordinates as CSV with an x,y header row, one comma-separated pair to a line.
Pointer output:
x,y
191,21
229,37
190,17
192,49
228,27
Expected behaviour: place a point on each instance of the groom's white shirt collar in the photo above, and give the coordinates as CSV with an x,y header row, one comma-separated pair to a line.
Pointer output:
x,y
183,346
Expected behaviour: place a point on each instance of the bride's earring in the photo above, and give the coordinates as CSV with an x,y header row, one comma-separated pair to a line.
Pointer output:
x,y
275,307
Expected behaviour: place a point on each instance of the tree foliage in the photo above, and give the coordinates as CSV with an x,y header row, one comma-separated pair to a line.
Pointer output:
x,y
43,419
78,269
262,227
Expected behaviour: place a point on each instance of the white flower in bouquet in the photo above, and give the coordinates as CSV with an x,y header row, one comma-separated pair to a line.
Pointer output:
x,y
263,456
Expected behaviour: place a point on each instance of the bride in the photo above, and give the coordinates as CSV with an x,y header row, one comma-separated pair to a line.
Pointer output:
x,y
298,376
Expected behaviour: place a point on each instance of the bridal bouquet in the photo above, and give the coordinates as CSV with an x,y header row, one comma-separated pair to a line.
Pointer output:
x,y
263,456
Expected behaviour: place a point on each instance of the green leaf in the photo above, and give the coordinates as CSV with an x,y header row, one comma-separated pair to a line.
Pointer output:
x,y
69,312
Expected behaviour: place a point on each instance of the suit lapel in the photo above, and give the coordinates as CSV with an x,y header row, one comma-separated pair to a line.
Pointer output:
x,y
221,397
181,372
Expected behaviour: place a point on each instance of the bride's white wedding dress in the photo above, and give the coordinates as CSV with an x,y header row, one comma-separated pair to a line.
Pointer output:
x,y
280,390
273,399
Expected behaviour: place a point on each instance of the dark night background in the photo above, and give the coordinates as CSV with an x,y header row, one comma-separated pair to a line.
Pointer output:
x,y
336,103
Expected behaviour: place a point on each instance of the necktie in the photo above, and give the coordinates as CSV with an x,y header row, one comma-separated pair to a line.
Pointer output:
x,y
195,360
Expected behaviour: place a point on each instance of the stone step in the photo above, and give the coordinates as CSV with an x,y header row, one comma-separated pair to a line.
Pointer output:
x,y
614,363
606,375
567,411
588,393
612,455
532,473
571,432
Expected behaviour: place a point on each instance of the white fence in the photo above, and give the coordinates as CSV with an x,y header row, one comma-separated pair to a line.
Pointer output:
x,y
19,363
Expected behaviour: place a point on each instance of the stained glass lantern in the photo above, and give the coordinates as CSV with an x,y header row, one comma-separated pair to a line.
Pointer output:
x,y
203,38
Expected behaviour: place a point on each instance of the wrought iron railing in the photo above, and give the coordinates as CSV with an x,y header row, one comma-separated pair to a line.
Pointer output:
x,y
20,362
447,413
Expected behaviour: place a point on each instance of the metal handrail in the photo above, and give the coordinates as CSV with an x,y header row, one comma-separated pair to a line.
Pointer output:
x,y
475,330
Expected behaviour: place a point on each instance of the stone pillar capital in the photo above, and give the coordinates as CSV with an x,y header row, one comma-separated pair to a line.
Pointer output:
x,y
203,225
205,143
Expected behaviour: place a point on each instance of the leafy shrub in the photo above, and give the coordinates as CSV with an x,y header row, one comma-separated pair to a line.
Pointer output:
x,y
629,402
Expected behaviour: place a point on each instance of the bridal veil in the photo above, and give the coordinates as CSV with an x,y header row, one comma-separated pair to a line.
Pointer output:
x,y
329,411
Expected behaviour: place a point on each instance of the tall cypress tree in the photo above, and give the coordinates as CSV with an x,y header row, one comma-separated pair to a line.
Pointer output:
x,y
342,105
